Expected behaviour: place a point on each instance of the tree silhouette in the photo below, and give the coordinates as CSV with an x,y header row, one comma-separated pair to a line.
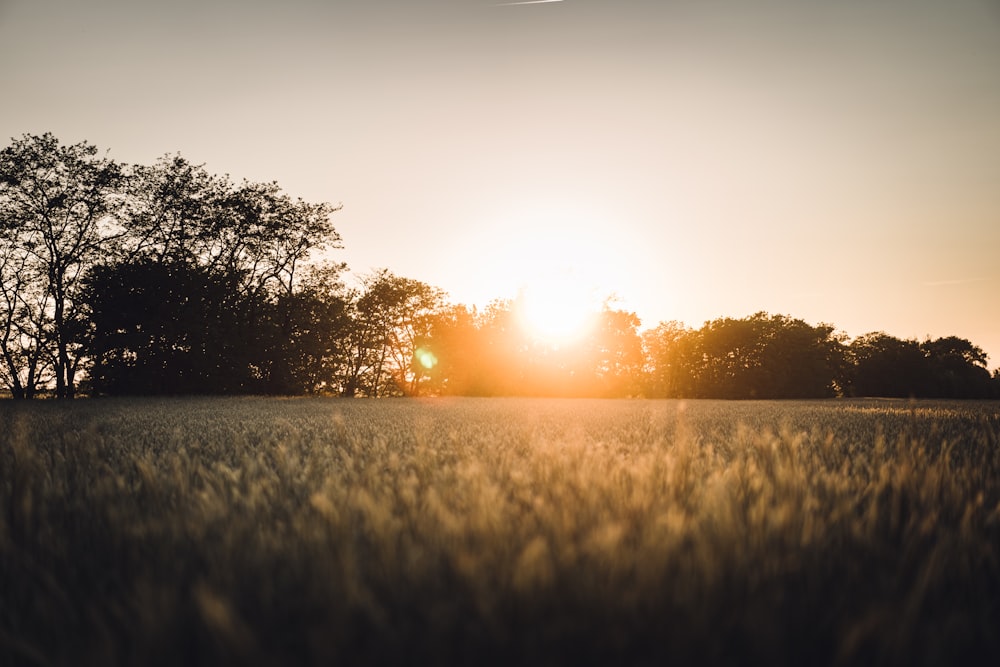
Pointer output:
x,y
172,209
179,212
616,350
168,279
57,208
884,365
949,367
308,333
25,327
668,351
392,317
171,328
761,356
957,369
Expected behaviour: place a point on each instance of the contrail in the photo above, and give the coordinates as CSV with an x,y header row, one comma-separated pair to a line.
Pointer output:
x,y
526,2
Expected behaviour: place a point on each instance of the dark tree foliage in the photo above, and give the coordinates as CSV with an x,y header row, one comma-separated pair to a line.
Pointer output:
x,y
308,332
205,275
171,328
178,328
950,367
886,366
765,356
761,356
957,369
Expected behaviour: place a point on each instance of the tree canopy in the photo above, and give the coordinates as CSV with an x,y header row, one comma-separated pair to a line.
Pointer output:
x,y
166,279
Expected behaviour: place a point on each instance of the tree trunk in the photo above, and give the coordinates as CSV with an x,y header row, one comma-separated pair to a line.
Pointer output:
x,y
16,389
64,374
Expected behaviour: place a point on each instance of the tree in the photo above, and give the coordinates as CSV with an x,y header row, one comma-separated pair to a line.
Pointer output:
x,y
237,313
171,212
614,354
179,328
309,330
392,317
883,365
447,358
172,328
957,369
179,212
57,206
264,236
24,326
948,367
474,353
667,351
798,360
761,356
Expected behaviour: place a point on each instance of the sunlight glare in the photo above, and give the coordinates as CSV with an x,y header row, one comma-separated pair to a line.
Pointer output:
x,y
557,309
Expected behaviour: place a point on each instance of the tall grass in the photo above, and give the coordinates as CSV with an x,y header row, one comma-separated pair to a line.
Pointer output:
x,y
259,531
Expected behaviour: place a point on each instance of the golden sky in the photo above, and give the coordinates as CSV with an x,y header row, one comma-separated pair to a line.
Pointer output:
x,y
833,161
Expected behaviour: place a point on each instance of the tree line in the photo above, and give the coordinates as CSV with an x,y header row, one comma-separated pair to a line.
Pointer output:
x,y
774,356
123,279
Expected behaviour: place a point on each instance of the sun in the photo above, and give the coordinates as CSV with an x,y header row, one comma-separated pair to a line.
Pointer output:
x,y
557,309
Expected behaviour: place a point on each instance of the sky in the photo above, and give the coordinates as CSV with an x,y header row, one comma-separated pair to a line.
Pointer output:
x,y
838,162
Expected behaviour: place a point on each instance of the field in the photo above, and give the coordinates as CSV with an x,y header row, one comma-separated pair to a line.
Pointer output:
x,y
479,531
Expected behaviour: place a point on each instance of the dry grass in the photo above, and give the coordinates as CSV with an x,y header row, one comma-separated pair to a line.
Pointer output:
x,y
259,531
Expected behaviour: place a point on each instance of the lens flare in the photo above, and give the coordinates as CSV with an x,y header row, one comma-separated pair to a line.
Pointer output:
x,y
425,358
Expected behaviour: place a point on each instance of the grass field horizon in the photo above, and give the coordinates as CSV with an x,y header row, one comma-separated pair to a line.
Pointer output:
x,y
499,531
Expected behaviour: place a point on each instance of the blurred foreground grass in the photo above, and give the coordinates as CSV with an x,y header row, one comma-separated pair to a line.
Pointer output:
x,y
309,531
